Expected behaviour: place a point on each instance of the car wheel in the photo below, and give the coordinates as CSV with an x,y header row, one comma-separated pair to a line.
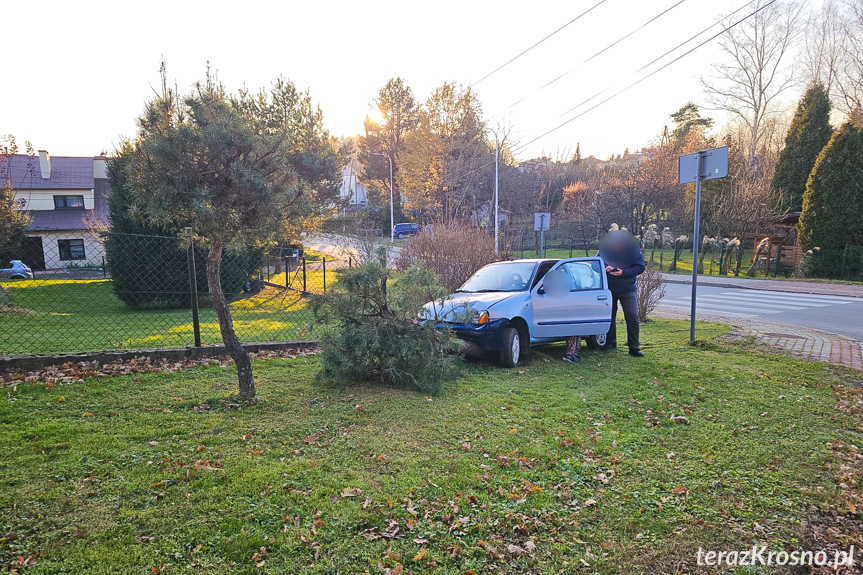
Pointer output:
x,y
511,351
597,341
399,236
17,277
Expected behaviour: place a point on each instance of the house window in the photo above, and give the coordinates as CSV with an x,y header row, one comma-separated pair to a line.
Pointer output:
x,y
71,249
69,202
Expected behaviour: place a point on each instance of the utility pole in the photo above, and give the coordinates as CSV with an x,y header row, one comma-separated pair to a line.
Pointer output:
x,y
496,186
392,217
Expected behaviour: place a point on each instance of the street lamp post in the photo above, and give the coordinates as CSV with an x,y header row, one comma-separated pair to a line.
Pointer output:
x,y
496,159
392,217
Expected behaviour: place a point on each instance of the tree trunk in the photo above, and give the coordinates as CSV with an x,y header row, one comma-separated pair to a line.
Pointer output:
x,y
226,324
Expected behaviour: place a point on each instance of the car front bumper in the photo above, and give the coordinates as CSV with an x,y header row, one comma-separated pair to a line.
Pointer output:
x,y
488,336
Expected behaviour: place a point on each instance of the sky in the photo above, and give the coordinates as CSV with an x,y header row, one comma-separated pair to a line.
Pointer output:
x,y
79,72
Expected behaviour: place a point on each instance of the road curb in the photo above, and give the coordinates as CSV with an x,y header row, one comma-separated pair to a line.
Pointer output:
x,y
754,287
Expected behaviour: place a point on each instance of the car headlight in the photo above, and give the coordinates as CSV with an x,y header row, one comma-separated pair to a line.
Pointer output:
x,y
479,318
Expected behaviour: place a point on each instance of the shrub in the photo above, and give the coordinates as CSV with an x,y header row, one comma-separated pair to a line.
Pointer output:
x,y
452,251
373,329
148,264
151,272
651,289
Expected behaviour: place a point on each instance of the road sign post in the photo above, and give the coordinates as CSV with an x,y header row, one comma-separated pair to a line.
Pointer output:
x,y
541,222
703,165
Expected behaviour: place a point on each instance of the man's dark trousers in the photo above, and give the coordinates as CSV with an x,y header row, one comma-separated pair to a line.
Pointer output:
x,y
629,302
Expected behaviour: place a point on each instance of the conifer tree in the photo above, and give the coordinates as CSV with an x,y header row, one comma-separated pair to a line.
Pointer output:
x,y
834,193
808,134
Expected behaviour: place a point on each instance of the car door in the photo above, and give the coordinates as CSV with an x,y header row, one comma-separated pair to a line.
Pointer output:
x,y
584,310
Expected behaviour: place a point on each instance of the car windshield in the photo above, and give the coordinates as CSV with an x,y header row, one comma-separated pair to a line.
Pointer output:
x,y
509,276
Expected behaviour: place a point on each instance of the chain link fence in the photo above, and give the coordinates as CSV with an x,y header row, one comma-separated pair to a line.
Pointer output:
x,y
109,291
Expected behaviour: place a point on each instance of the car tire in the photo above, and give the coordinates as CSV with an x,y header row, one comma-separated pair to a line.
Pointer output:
x,y
399,236
511,351
597,341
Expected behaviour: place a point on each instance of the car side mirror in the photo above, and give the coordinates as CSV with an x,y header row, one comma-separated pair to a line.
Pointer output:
x,y
541,290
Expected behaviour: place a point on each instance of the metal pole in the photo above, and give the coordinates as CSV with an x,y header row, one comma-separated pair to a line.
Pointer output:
x,y
392,218
496,219
304,274
193,289
695,241
325,274
542,236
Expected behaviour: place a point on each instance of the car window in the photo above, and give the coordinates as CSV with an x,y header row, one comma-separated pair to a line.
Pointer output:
x,y
583,275
507,276
540,273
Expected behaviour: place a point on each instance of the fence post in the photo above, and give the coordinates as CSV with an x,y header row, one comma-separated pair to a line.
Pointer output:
x,y
304,274
104,269
842,265
325,274
778,259
287,272
350,262
193,288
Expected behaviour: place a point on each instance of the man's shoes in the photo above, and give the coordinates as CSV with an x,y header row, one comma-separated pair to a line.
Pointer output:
x,y
610,346
572,358
635,352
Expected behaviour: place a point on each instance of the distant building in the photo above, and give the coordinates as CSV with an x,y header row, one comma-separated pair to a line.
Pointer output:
x,y
352,190
66,199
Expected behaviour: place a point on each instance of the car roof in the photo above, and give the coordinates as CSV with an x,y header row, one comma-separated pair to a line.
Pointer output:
x,y
526,261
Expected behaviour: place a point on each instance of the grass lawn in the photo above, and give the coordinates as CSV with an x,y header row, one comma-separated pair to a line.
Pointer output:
x,y
550,468
85,315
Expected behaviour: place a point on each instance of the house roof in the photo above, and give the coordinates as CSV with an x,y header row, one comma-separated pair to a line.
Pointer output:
x,y
67,173
59,220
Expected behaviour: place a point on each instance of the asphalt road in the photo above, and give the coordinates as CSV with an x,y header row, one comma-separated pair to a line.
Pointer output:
x,y
833,314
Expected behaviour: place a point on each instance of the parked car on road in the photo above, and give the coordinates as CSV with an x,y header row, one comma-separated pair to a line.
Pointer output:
x,y
17,270
405,230
508,306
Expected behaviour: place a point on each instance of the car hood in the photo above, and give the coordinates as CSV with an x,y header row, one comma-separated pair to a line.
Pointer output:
x,y
458,307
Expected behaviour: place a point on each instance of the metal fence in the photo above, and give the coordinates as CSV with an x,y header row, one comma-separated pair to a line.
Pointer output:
x,y
96,292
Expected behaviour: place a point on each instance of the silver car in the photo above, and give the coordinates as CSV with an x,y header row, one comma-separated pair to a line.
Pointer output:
x,y
17,270
508,306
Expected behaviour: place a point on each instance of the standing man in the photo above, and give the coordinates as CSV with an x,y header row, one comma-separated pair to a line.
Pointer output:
x,y
624,262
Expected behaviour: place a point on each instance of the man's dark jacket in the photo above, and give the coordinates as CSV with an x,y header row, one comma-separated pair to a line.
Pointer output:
x,y
630,260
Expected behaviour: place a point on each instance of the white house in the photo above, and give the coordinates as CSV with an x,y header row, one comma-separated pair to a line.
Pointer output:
x,y
352,190
66,199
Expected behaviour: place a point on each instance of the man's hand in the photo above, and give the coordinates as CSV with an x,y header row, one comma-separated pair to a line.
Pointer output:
x,y
613,271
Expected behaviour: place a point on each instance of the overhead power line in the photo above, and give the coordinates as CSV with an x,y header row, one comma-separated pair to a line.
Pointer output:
x,y
522,53
612,45
640,80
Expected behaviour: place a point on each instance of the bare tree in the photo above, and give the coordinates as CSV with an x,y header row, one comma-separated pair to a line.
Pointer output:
x,y
848,76
823,44
834,52
758,71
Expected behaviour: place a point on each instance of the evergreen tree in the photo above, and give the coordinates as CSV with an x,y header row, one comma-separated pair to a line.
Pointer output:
x,y
809,132
686,118
237,169
834,193
13,222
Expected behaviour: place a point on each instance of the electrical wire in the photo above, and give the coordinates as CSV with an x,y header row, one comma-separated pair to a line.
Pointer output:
x,y
523,52
642,79
613,44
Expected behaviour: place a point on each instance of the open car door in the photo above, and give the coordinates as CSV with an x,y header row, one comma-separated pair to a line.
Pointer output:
x,y
583,309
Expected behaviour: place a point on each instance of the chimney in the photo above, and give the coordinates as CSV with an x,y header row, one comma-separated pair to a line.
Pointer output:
x,y
45,164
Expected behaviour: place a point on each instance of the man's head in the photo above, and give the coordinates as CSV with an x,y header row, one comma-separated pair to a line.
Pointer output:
x,y
617,242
